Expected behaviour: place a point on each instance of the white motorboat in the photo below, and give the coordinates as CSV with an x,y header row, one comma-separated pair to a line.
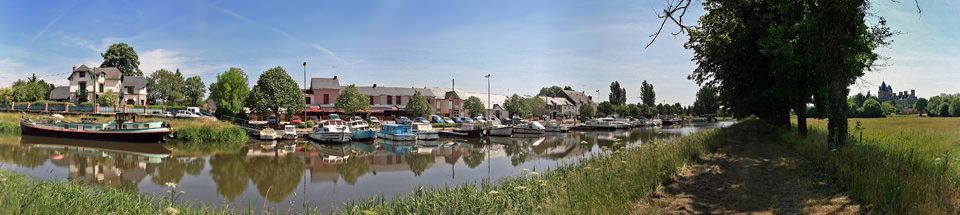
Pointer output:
x,y
424,131
268,134
332,130
607,123
497,129
529,128
553,127
289,132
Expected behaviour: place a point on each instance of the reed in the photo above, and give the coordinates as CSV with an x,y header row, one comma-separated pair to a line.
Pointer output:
x,y
7,128
896,168
604,184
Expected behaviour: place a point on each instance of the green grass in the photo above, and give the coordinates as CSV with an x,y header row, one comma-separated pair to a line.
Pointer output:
x,y
599,185
896,170
7,128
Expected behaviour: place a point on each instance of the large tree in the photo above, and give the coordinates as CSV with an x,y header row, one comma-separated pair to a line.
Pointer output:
x,y
276,93
6,95
618,95
647,95
166,87
474,105
920,105
518,106
350,100
123,57
606,108
553,91
194,91
586,111
229,92
418,105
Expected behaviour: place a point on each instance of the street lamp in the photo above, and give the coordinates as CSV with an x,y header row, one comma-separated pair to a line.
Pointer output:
x,y
305,89
490,107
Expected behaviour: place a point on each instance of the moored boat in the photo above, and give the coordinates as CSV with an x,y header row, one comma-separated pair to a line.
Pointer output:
x,y
361,130
424,131
124,128
396,132
268,134
333,130
529,128
289,132
555,128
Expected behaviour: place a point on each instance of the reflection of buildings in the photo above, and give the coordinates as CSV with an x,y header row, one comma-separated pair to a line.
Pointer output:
x,y
121,165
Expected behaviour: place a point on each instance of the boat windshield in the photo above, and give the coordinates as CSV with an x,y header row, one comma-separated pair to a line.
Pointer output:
x,y
333,116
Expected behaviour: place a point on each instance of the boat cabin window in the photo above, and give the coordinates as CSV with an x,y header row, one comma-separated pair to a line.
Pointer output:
x,y
146,125
135,126
65,126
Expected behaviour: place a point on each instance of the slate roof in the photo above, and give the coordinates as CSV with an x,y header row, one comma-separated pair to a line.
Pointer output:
x,y
110,73
385,91
61,92
325,83
136,81
556,100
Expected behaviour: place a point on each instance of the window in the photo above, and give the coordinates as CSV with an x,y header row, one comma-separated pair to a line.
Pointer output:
x,y
101,88
129,90
326,98
83,74
307,99
146,125
451,105
371,100
389,100
398,100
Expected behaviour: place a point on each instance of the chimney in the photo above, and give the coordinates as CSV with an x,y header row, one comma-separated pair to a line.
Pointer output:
x,y
374,85
334,77
74,68
913,92
454,87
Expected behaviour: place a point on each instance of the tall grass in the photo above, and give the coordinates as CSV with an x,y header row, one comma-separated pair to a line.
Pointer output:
x,y
608,184
7,128
895,170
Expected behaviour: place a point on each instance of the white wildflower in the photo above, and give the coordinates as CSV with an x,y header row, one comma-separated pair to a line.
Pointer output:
x,y
171,210
493,192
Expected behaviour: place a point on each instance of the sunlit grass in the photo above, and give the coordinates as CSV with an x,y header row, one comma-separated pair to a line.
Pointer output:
x,y
896,170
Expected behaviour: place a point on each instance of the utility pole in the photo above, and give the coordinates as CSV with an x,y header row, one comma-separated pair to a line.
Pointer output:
x,y
305,87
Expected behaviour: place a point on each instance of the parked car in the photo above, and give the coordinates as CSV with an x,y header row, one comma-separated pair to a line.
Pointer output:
x,y
314,119
448,120
272,119
356,118
403,120
204,113
373,119
480,120
186,113
296,119
421,120
468,120
436,119
457,120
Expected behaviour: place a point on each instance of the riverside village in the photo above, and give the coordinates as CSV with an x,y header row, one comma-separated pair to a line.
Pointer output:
x,y
607,107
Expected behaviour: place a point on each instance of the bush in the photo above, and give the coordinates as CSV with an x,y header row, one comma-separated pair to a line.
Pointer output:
x,y
301,125
310,124
872,108
230,134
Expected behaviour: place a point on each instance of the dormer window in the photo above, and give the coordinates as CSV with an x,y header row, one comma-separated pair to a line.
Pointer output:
x,y
82,74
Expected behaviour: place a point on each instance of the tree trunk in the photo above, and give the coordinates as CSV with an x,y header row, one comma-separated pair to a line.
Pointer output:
x,y
801,111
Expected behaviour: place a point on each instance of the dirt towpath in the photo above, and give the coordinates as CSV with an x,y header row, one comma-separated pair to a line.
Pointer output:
x,y
750,175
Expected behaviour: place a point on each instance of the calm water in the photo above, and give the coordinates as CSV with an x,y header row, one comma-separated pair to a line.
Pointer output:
x,y
285,178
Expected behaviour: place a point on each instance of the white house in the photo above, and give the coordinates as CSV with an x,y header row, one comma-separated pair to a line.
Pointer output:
x,y
87,84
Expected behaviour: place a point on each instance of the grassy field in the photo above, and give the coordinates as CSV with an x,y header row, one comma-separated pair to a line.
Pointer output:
x,y
896,169
600,185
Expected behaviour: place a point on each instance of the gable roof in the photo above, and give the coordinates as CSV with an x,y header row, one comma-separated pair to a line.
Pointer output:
x,y
110,73
495,99
556,100
577,98
325,83
137,82
61,92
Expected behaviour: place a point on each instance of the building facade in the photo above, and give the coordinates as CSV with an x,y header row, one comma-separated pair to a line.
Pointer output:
x,y
87,84
903,99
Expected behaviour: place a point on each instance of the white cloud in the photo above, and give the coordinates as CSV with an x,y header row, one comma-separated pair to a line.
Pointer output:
x,y
161,59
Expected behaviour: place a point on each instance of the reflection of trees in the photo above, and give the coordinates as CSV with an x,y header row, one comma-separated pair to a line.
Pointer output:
x,y
474,158
518,152
275,177
419,162
353,169
194,167
171,170
23,156
229,174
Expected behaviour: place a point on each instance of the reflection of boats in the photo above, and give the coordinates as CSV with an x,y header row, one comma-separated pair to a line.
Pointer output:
x,y
332,130
396,147
425,131
151,152
553,127
124,128
429,142
268,134
365,147
396,132
289,132
529,128
361,130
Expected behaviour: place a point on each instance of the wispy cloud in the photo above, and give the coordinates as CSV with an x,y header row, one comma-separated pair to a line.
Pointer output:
x,y
281,32
44,30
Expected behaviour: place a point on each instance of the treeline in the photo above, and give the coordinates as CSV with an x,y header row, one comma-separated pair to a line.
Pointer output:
x,y
943,105
31,89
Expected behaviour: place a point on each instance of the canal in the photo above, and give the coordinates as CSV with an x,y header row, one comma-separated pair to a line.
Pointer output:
x,y
290,176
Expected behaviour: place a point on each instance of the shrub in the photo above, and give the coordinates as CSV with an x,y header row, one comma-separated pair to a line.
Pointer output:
x,y
310,124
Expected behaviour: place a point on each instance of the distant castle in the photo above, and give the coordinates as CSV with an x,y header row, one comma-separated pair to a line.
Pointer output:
x,y
902,99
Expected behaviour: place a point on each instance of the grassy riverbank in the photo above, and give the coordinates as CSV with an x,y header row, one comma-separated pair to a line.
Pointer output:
x,y
604,184
896,170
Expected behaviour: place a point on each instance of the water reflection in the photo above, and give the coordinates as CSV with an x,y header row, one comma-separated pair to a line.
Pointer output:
x,y
324,175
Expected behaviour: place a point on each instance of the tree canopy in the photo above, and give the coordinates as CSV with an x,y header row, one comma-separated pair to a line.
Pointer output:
x,y
552,91
350,100
586,111
707,101
518,106
275,92
166,87
229,92
123,57
418,105
108,99
618,95
473,105
194,91
30,90
647,95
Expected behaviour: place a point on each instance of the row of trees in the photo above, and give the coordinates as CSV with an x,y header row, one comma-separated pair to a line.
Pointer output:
x,y
944,105
31,89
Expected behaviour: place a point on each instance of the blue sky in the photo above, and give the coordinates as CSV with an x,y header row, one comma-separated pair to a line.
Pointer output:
x,y
524,45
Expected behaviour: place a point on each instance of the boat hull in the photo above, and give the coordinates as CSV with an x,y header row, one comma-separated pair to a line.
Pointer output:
x,y
527,131
397,137
500,132
149,136
331,137
428,135
364,135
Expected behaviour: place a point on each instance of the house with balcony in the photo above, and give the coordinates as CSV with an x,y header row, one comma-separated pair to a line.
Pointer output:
x,y
87,84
